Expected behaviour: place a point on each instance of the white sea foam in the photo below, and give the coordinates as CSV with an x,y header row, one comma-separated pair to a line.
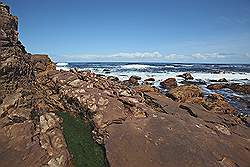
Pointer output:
x,y
168,66
61,64
187,65
234,77
136,66
63,68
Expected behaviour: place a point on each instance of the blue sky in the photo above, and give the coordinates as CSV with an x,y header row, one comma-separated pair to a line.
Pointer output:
x,y
136,30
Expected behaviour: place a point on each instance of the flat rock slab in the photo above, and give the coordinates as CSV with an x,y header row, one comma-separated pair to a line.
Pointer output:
x,y
169,140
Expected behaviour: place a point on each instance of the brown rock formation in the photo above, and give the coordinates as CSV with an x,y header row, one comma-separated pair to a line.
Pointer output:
x,y
215,86
169,83
245,89
29,135
216,103
138,126
186,76
187,93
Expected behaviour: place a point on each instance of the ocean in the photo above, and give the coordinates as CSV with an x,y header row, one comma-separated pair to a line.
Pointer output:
x,y
203,74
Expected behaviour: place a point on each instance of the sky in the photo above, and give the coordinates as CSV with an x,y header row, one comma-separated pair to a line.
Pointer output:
x,y
203,31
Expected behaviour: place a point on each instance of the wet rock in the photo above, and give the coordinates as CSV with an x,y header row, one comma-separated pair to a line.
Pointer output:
x,y
215,86
149,80
223,80
241,88
106,71
194,82
186,76
169,83
219,80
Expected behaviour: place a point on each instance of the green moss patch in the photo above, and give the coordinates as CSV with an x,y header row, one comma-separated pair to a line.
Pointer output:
x,y
86,152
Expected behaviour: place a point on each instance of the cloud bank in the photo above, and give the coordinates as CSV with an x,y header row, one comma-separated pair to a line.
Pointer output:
x,y
158,57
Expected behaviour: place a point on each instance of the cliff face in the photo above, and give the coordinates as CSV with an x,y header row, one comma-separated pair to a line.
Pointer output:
x,y
136,124
29,134
9,26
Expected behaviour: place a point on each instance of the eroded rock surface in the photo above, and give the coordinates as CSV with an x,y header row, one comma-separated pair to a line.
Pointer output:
x,y
30,134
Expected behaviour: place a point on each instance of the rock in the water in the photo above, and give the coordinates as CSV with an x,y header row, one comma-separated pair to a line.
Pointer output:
x,y
215,86
241,88
149,80
169,83
186,76
219,80
133,81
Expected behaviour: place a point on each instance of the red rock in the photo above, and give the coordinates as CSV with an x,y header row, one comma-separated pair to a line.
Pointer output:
x,y
145,88
216,103
241,88
215,86
186,93
137,126
169,83
134,80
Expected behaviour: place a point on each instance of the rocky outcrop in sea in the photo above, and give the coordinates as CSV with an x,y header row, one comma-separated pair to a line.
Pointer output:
x,y
133,124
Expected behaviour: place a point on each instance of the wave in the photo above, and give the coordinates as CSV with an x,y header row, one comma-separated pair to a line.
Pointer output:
x,y
187,65
168,66
136,66
62,64
63,68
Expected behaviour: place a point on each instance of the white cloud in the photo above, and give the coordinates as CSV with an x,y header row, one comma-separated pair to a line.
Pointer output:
x,y
157,56
206,56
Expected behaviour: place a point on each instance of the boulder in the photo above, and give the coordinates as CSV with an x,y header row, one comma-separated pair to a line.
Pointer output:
x,y
42,63
134,77
240,88
216,103
223,80
215,86
133,80
219,80
187,93
169,83
145,88
149,80
186,76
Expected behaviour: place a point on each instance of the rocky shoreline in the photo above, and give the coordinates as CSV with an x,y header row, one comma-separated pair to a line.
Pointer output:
x,y
135,124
